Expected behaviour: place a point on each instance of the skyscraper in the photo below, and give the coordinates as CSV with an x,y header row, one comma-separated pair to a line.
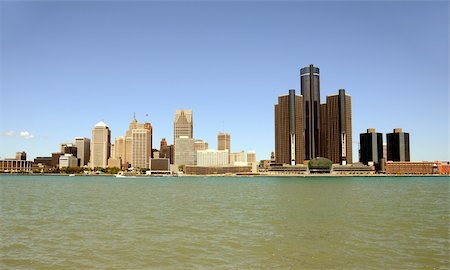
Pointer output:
x,y
251,156
141,140
184,151
162,144
223,141
119,148
371,147
83,150
398,145
182,124
338,123
100,145
310,90
289,146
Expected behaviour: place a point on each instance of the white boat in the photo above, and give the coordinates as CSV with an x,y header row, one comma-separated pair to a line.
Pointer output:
x,y
71,174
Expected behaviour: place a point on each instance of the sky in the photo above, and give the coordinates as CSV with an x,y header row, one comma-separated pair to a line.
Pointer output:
x,y
64,66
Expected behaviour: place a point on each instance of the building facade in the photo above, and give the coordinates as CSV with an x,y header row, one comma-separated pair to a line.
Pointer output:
x,y
184,151
289,143
237,158
100,145
140,148
68,160
398,145
83,146
371,147
251,156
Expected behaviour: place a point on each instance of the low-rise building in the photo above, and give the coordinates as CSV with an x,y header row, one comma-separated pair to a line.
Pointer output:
x,y
68,160
212,157
207,170
13,165
412,167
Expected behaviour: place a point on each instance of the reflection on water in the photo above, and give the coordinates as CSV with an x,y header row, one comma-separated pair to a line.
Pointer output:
x,y
261,222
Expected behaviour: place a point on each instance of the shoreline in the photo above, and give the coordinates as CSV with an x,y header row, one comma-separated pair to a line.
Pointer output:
x,y
234,175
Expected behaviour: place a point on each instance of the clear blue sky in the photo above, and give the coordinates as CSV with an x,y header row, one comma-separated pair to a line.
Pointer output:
x,y
67,65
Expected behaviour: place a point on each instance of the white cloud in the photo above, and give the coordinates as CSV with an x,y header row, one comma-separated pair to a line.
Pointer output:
x,y
26,135
9,133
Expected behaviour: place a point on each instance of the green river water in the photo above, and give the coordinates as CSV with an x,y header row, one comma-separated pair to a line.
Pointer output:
x,y
95,222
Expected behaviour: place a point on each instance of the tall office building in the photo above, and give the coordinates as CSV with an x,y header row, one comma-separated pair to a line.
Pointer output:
x,y
149,127
141,140
289,144
310,90
251,156
182,124
338,124
119,148
21,155
162,144
184,151
83,150
100,145
371,147
168,152
223,141
398,145
139,158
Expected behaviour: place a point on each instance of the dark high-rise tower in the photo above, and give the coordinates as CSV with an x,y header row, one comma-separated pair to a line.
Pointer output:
x,y
289,146
310,90
398,145
371,147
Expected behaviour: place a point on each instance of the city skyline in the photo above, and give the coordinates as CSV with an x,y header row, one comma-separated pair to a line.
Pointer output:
x,y
229,72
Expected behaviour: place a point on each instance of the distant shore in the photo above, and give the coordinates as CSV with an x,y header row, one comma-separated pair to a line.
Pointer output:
x,y
234,175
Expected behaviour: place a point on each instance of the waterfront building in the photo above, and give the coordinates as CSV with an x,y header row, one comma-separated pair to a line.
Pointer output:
x,y
119,148
371,148
251,156
100,145
55,159
21,155
114,163
159,165
15,165
406,167
223,143
83,146
289,144
43,162
182,124
184,151
310,90
140,148
398,145
336,118
207,170
323,147
199,145
211,157
237,158
68,160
